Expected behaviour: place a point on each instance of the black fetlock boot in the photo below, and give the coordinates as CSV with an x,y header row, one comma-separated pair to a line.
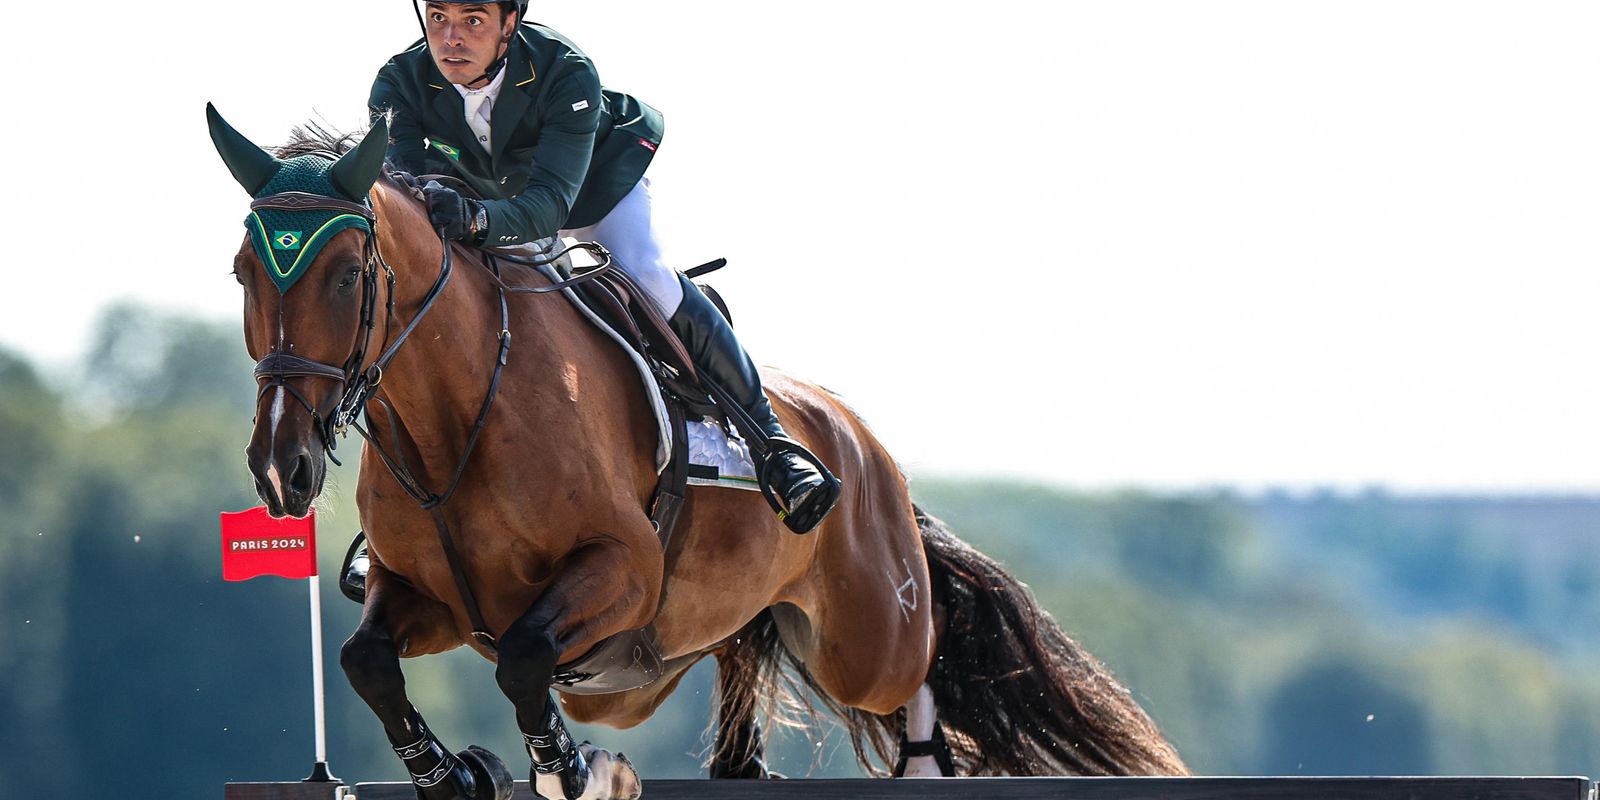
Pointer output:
x,y
934,746
472,774
353,575
559,771
807,492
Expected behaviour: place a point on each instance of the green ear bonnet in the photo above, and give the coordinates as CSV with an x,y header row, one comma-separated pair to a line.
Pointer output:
x,y
287,240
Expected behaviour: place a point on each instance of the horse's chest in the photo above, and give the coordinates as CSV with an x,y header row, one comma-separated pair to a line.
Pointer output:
x,y
500,569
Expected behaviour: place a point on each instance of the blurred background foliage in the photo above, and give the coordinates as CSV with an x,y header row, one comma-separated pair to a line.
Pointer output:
x,y
1307,632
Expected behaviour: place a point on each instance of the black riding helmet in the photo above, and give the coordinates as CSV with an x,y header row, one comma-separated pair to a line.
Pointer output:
x,y
521,7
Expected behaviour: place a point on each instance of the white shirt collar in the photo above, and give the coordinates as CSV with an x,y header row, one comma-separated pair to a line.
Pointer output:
x,y
478,105
492,90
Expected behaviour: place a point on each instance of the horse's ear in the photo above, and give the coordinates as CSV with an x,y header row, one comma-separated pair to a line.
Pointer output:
x,y
251,166
355,171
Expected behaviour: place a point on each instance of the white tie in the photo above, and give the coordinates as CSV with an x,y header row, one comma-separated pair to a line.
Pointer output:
x,y
477,108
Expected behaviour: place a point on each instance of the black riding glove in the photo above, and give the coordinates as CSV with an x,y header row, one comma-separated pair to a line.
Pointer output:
x,y
452,215
406,178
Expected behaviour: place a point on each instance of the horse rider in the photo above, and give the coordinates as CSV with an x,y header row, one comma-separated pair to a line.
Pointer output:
x,y
517,112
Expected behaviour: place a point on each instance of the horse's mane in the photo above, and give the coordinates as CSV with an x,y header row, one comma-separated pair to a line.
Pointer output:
x,y
314,139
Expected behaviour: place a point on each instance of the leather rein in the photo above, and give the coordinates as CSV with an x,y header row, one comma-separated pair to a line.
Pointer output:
x,y
360,384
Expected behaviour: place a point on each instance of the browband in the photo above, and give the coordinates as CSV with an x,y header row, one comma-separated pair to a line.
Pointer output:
x,y
306,201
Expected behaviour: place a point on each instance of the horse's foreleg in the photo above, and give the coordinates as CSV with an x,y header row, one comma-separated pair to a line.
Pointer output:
x,y
596,593
371,661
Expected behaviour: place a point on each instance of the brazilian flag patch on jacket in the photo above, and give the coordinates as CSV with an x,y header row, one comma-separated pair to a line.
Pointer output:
x,y
453,153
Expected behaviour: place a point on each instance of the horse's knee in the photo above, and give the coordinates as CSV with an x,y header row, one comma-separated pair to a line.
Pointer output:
x,y
526,662
371,662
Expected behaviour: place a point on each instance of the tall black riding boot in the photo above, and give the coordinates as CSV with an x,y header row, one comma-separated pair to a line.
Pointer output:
x,y
806,493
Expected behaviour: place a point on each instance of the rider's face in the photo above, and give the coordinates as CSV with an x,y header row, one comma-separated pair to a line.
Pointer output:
x,y
466,38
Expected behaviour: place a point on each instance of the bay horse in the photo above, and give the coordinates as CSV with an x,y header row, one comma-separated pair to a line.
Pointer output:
x,y
898,626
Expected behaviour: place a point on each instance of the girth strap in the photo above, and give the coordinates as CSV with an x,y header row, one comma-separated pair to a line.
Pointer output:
x,y
672,487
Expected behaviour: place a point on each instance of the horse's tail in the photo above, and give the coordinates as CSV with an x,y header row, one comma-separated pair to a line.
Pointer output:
x,y
1015,694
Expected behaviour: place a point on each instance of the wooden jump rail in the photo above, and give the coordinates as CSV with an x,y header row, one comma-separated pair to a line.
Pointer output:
x,y
1569,788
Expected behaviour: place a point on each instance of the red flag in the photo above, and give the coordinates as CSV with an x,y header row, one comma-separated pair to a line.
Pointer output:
x,y
255,544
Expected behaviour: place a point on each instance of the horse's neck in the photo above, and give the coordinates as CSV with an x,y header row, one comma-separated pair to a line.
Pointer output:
x,y
438,379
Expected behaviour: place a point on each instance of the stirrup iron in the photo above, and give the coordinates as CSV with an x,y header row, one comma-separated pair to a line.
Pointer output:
x,y
816,504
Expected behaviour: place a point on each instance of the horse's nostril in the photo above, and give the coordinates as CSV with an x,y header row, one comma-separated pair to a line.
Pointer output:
x,y
300,475
265,492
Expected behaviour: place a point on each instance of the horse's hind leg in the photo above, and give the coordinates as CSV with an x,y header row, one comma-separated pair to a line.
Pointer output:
x,y
923,752
397,619
740,750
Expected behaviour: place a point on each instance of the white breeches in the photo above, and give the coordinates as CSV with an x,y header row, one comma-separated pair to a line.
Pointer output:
x,y
629,232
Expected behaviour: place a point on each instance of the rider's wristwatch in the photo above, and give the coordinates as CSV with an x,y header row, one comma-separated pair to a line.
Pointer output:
x,y
480,221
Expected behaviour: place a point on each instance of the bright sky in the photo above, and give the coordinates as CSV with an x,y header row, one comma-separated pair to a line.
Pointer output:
x,y
1165,244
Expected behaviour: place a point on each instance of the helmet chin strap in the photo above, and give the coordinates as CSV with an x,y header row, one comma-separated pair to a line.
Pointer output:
x,y
495,66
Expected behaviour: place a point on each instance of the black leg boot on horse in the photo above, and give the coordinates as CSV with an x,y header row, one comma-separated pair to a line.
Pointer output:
x,y
371,661
560,769
806,490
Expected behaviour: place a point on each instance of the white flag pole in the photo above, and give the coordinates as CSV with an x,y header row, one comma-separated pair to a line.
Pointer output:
x,y
320,770
316,668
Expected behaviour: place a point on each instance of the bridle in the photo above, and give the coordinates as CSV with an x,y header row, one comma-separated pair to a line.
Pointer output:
x,y
359,384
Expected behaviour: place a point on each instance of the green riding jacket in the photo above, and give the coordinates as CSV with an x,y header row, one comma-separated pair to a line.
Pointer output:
x,y
564,149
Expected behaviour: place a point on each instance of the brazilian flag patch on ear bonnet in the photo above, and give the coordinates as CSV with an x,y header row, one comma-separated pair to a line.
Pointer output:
x,y
287,242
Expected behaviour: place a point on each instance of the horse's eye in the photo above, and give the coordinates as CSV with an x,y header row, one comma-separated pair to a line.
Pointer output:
x,y
237,276
350,277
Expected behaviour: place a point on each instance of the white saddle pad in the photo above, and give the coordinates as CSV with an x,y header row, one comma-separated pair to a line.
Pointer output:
x,y
716,459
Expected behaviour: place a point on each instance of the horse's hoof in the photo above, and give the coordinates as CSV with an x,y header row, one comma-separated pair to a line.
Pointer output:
x,y
611,776
493,779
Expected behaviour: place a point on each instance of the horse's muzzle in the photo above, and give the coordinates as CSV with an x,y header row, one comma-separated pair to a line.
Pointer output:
x,y
286,459
288,485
